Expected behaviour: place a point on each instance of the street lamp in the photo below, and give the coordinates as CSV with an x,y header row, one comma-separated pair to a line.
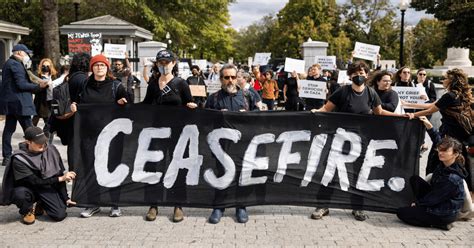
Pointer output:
x,y
76,8
404,4
168,37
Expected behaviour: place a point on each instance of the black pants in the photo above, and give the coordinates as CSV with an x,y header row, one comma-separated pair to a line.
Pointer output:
x,y
418,216
9,129
270,103
49,198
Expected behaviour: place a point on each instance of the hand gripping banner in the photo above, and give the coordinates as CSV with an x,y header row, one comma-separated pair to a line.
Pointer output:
x,y
141,155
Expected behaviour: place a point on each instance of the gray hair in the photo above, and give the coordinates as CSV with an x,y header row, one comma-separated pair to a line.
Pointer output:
x,y
226,67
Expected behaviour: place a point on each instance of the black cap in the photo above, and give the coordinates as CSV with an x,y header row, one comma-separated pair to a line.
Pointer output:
x,y
36,135
165,55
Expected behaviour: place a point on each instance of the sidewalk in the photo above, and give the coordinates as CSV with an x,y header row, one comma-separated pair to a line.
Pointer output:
x,y
269,226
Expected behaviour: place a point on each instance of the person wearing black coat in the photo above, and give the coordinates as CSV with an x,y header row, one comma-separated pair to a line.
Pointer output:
x,y
16,101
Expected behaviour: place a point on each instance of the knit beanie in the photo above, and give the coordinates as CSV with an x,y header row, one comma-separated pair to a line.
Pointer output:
x,y
99,58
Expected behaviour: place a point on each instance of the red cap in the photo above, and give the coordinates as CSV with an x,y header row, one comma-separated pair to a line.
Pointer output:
x,y
99,58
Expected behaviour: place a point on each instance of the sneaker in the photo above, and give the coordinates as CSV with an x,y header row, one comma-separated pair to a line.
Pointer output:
x,y
88,212
241,215
178,215
29,218
216,215
115,212
6,161
319,213
359,215
152,213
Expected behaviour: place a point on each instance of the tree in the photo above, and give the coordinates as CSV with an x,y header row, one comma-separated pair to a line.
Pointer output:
x,y
459,15
51,30
429,35
254,38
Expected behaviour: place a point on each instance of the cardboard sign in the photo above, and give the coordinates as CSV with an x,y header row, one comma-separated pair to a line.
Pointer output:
x,y
198,90
366,51
90,43
262,58
213,86
297,65
115,51
410,94
326,62
343,78
313,89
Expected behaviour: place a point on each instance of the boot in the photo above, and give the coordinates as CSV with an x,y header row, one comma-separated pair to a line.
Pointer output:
x,y
29,218
178,215
152,213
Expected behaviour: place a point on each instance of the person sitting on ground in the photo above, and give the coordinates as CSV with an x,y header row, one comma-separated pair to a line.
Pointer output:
x,y
438,203
35,180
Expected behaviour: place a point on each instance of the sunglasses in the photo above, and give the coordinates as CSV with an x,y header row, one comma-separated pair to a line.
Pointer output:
x,y
422,74
229,77
405,72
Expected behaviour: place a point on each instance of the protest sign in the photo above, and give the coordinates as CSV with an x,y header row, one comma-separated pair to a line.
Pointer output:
x,y
343,78
90,43
312,89
326,62
297,65
213,86
366,51
410,94
142,155
262,58
115,51
198,90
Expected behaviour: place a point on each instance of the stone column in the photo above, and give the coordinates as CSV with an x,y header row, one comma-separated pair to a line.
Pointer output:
x,y
146,50
311,49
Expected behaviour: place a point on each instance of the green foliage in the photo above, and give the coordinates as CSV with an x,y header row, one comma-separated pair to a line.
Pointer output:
x,y
429,35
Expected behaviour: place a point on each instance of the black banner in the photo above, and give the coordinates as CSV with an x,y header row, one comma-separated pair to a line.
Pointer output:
x,y
141,155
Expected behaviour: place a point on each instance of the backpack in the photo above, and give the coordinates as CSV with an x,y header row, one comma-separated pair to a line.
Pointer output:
x,y
61,102
464,116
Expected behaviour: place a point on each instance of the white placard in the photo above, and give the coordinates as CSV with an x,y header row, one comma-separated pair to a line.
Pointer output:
x,y
115,51
262,58
202,63
213,86
366,51
343,78
326,62
410,94
294,65
312,89
149,61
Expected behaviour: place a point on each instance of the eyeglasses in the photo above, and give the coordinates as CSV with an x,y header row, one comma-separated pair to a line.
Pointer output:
x,y
422,74
405,72
229,77
100,65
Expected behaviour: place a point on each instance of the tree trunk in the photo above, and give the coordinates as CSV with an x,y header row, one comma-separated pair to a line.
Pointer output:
x,y
51,30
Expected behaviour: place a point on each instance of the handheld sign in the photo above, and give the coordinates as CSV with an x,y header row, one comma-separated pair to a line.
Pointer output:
x,y
212,86
90,43
115,51
294,65
313,89
366,51
410,94
198,90
343,78
262,58
326,62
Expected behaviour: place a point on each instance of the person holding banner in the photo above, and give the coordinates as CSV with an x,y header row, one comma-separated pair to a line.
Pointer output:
x,y
438,203
358,99
456,108
381,82
269,90
170,90
314,73
102,87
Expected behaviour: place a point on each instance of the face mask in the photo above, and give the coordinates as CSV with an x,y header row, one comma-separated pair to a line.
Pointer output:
x,y
44,68
358,80
165,70
25,59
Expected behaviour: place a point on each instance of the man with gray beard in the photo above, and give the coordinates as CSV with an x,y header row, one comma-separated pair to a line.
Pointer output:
x,y
230,98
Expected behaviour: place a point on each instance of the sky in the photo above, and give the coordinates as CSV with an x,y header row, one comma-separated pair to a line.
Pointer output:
x,y
245,12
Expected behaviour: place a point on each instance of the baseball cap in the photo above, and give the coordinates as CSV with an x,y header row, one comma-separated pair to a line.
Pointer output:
x,y
21,47
36,135
165,55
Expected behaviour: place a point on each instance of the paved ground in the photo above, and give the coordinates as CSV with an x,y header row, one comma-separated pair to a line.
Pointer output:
x,y
269,226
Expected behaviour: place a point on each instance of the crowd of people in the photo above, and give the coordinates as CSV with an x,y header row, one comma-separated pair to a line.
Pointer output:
x,y
36,174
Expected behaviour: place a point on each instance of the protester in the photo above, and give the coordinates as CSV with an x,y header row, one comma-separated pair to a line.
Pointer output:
x,y
257,78
166,89
358,99
243,80
123,73
16,101
214,74
35,179
314,73
291,93
102,87
402,77
269,90
422,81
46,71
451,105
230,98
197,79
331,83
438,202
381,82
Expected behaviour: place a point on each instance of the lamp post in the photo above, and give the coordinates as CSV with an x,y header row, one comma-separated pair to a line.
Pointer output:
x,y
168,37
76,8
404,4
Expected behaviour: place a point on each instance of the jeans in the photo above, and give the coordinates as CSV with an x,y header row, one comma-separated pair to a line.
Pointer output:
x,y
10,127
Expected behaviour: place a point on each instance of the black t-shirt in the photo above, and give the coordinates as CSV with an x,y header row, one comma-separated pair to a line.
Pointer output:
x,y
389,99
175,93
449,124
348,101
102,91
291,87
